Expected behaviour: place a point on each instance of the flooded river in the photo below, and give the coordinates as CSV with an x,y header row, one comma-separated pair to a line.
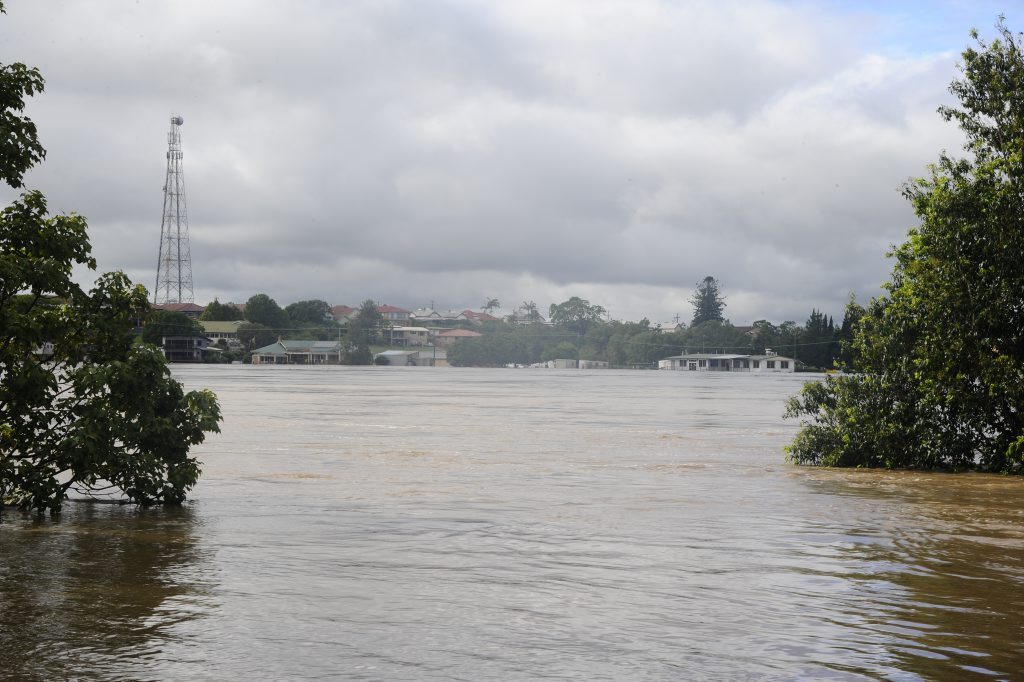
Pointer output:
x,y
463,524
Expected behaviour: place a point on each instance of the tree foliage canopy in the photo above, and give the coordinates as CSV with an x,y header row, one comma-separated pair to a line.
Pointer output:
x,y
939,359
83,407
311,312
163,323
576,314
261,309
253,335
221,312
364,328
19,145
707,301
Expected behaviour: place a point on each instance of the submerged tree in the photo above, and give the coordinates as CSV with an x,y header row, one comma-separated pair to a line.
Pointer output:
x,y
939,360
708,303
83,406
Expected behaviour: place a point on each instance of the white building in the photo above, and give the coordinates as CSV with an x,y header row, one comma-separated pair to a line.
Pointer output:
x,y
407,336
728,362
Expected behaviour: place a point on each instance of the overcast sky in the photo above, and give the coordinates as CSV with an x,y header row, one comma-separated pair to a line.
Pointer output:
x,y
454,150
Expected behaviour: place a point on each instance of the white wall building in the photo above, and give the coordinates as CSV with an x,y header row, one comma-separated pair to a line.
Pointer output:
x,y
728,362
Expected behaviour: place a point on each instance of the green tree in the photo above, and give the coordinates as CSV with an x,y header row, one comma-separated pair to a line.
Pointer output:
x,y
576,314
530,312
19,145
764,334
161,323
253,335
490,304
817,341
83,406
565,349
939,359
261,309
365,327
221,312
844,335
312,312
713,336
707,301
495,350
370,320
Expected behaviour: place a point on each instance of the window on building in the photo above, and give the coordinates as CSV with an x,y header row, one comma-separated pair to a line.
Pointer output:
x,y
770,364
757,364
784,364
702,363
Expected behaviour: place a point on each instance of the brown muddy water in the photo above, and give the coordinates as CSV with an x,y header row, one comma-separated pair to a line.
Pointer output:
x,y
449,524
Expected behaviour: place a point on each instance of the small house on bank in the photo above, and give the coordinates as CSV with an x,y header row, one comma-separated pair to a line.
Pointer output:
x,y
728,362
303,352
447,338
216,330
184,348
407,336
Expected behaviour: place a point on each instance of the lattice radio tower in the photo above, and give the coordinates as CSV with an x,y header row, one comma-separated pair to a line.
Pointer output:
x,y
174,268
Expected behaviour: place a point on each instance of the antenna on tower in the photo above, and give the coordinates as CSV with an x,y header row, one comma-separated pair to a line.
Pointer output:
x,y
174,266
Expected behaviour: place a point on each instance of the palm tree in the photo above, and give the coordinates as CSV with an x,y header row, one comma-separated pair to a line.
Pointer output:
x,y
490,305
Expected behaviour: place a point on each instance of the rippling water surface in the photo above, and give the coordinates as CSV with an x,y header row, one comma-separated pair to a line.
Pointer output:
x,y
447,524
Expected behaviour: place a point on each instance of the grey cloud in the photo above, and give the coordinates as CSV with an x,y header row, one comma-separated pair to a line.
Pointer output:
x,y
455,150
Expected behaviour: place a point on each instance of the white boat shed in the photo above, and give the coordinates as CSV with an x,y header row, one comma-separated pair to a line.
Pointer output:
x,y
727,362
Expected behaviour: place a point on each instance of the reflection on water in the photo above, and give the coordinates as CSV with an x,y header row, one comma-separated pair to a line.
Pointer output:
x,y
951,548
96,591
393,523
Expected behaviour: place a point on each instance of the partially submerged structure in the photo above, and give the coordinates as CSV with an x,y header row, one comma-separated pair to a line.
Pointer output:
x,y
302,352
184,347
728,362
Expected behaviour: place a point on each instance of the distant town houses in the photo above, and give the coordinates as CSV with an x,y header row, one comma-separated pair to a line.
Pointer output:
x,y
343,313
424,315
423,337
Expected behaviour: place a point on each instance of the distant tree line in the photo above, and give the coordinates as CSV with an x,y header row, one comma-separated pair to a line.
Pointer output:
x,y
578,329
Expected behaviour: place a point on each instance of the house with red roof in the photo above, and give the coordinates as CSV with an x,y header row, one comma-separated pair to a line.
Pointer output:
x,y
448,337
394,314
190,309
341,313
477,318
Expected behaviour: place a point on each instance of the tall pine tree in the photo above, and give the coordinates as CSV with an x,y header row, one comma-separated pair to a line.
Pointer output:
x,y
707,301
